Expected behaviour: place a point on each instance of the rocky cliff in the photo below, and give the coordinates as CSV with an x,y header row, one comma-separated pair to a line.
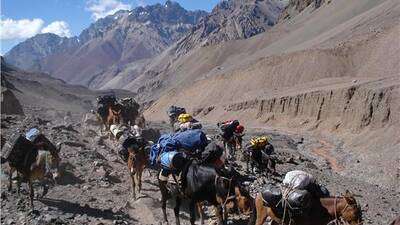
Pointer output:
x,y
232,20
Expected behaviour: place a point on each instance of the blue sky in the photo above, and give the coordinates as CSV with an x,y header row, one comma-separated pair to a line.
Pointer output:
x,y
21,19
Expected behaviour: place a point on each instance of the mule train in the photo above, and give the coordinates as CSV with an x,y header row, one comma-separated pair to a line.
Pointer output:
x,y
195,167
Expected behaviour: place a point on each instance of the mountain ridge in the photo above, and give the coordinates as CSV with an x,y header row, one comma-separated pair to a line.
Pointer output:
x,y
115,40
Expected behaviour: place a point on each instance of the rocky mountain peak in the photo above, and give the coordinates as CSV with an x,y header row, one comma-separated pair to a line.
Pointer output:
x,y
232,20
26,54
171,13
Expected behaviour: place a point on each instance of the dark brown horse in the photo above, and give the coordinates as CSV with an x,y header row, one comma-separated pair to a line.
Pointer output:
x,y
137,162
39,169
322,212
114,115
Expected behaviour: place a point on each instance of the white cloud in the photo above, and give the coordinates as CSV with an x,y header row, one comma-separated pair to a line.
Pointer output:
x,y
19,29
141,3
26,28
60,28
103,8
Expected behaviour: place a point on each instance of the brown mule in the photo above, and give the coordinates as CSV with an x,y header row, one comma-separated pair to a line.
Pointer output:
x,y
49,158
114,115
323,211
137,161
396,221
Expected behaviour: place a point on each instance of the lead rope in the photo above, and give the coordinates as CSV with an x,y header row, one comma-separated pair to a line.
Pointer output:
x,y
227,198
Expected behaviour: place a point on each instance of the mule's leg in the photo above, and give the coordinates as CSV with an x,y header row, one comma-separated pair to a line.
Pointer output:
x,y
226,150
31,192
261,211
273,166
140,181
137,182
45,188
218,213
19,181
10,179
201,212
176,211
192,208
133,186
164,198
247,165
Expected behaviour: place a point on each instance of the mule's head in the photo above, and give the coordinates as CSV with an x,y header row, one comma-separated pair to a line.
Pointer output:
x,y
42,142
352,212
137,158
244,202
116,112
55,161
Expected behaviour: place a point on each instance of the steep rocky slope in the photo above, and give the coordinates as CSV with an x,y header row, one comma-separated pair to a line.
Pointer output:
x,y
29,55
9,103
232,20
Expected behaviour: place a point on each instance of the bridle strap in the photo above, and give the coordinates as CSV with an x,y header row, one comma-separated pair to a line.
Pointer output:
x,y
228,196
341,212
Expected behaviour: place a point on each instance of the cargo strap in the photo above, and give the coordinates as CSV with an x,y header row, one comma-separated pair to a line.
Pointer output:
x,y
228,196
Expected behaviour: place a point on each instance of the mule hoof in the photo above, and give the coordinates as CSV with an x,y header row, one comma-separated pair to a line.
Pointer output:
x,y
34,212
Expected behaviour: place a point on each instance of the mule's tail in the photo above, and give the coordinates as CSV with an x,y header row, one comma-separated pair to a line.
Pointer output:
x,y
253,216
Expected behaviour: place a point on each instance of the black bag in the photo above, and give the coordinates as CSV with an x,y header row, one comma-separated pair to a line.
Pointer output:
x,y
272,195
174,111
228,129
106,100
211,153
300,201
22,154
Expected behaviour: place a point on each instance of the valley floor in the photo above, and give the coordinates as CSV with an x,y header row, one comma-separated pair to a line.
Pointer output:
x,y
95,187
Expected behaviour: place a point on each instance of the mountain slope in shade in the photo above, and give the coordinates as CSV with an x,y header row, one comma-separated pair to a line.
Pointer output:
x,y
26,91
9,103
28,55
115,40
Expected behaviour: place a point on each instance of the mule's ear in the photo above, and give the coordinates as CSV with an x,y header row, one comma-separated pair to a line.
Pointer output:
x,y
349,197
237,192
348,194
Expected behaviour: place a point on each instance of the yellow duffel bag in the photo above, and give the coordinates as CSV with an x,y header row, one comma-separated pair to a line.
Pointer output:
x,y
184,118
